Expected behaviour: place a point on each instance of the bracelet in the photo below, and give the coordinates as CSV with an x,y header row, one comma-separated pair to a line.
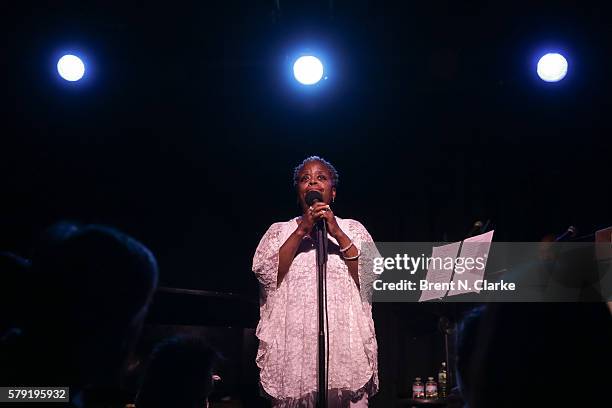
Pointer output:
x,y
352,258
347,247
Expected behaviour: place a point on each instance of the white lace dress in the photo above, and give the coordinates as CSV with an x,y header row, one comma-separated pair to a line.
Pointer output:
x,y
287,329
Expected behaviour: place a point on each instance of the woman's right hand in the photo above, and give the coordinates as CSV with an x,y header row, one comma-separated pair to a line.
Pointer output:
x,y
288,250
311,216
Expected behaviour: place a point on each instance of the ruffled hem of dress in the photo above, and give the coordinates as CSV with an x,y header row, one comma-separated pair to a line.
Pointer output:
x,y
335,397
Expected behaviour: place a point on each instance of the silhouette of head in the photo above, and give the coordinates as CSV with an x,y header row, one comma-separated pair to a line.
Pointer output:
x,y
179,374
525,354
94,286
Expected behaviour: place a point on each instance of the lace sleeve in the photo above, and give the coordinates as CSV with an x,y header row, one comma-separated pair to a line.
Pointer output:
x,y
364,242
265,261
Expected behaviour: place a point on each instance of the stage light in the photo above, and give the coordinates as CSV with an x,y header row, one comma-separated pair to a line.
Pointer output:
x,y
552,67
308,70
71,68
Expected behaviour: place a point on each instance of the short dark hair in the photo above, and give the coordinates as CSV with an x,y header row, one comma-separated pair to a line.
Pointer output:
x,y
330,167
99,280
104,269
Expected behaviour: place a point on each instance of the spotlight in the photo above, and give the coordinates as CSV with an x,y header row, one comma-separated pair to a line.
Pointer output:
x,y
71,68
308,70
552,67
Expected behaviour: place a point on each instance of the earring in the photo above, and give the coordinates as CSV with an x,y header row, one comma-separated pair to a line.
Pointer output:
x,y
333,199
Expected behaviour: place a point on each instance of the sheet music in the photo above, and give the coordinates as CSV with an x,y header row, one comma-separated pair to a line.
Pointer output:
x,y
435,274
473,247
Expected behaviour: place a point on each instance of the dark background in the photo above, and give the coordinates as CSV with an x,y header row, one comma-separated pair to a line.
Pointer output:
x,y
186,129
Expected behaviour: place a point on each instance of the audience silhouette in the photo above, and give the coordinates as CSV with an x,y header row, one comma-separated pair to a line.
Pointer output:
x,y
90,289
178,375
535,354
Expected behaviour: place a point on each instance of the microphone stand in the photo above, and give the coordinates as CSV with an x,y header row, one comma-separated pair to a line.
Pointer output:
x,y
321,248
447,328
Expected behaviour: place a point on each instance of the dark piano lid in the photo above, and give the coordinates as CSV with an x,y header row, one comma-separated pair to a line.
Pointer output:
x,y
176,306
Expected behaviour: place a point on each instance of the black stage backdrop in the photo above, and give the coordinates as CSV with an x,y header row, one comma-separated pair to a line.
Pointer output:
x,y
186,130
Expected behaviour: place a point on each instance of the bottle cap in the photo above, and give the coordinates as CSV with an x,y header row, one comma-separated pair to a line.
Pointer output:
x,y
418,378
444,364
430,378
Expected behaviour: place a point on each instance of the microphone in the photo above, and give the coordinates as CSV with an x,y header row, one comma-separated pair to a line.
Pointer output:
x,y
475,229
567,235
313,196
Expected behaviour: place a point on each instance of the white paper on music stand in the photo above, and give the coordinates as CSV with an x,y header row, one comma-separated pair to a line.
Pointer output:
x,y
473,247
435,274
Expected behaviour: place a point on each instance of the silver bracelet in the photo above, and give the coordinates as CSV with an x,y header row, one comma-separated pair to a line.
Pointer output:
x,y
347,248
352,258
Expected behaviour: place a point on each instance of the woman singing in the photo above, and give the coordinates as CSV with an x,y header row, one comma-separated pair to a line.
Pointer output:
x,y
285,265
